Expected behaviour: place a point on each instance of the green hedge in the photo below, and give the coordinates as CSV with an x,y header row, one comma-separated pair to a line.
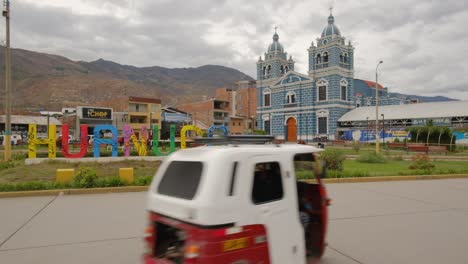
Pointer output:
x,y
79,182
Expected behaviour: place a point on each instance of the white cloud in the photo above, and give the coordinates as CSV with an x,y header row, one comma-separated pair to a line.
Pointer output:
x,y
423,45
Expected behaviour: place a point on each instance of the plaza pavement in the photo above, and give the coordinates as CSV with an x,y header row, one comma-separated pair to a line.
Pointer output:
x,y
423,221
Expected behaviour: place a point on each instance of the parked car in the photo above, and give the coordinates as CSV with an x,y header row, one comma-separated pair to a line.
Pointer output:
x,y
15,139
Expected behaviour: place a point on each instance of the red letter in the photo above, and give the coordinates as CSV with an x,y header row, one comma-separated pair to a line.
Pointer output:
x,y
83,142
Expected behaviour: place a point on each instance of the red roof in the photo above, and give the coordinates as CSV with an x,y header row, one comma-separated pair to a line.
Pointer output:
x,y
372,85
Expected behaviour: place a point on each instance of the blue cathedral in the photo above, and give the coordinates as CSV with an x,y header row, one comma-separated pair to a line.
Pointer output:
x,y
294,106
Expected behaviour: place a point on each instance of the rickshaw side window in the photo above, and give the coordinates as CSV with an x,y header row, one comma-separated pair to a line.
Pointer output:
x,y
181,179
267,185
304,166
233,179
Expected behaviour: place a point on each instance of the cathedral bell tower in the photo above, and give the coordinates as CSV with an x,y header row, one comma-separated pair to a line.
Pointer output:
x,y
275,62
331,63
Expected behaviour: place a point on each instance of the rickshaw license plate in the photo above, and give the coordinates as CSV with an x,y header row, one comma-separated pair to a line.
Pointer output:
x,y
234,244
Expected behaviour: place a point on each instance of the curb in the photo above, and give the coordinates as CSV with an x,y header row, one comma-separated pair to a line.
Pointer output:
x,y
145,188
73,191
397,178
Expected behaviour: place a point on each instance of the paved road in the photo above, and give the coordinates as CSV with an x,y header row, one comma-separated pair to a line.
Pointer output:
x,y
390,222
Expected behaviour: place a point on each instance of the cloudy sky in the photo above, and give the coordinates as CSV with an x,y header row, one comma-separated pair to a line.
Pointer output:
x,y
423,43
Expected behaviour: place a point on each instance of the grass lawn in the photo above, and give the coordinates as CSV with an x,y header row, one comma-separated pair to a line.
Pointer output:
x,y
461,151
354,168
18,172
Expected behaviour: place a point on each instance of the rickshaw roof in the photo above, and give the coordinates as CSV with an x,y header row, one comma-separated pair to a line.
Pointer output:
x,y
209,152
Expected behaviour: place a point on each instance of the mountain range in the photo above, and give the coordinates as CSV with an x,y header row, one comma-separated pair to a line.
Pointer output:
x,y
45,81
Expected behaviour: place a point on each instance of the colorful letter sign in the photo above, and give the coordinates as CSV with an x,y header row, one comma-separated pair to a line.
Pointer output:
x,y
33,141
83,142
98,140
183,134
129,136
156,141
140,145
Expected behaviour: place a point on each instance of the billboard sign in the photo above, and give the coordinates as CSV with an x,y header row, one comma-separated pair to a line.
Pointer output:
x,y
95,113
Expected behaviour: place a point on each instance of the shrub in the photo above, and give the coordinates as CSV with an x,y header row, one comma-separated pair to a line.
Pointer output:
x,y
85,178
398,157
112,181
397,140
333,158
6,165
19,156
422,162
371,158
356,146
143,180
26,186
346,174
260,132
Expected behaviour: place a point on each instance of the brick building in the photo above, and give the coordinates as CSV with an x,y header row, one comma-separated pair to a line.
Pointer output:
x,y
243,104
207,113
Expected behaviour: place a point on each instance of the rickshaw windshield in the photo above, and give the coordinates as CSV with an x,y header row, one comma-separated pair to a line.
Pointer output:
x,y
181,179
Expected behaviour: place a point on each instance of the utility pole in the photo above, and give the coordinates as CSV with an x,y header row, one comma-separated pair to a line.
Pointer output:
x,y
377,142
6,14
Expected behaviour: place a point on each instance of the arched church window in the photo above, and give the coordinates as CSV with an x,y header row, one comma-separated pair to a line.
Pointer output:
x,y
345,59
322,122
319,59
291,97
325,57
268,71
281,69
267,97
341,57
264,71
286,68
344,89
322,87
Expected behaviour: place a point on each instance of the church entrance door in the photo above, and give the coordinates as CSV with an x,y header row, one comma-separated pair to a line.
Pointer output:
x,y
291,130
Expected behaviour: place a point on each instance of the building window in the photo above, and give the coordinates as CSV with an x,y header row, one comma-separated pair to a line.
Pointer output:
x,y
322,93
267,127
325,57
267,97
322,90
268,71
282,69
319,59
267,185
286,68
345,58
291,98
322,125
264,72
341,57
344,90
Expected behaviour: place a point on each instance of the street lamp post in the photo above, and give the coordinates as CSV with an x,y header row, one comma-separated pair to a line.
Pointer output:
x,y
7,139
367,131
377,143
383,128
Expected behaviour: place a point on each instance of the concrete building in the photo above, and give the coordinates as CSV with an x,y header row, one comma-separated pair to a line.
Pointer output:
x,y
176,117
143,112
359,124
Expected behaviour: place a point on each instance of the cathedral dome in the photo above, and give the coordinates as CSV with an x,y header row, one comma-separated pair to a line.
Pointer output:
x,y
331,28
275,46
